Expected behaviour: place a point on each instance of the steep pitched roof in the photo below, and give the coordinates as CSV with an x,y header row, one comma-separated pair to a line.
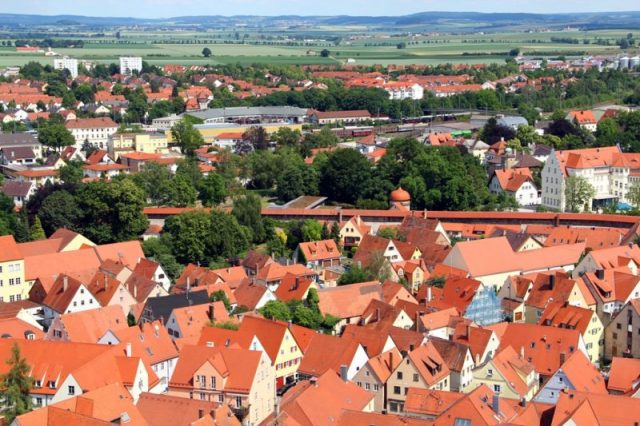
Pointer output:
x,y
320,250
583,375
51,265
427,402
453,353
149,341
191,319
429,364
166,410
89,326
270,333
542,345
249,294
323,403
62,292
292,288
239,366
624,375
559,314
9,249
327,352
385,364
129,252
588,408
349,301
513,368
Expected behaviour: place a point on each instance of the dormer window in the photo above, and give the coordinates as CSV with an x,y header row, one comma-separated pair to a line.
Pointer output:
x,y
51,384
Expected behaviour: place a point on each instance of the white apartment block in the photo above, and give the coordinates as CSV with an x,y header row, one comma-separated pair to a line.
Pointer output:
x,y
610,172
130,64
95,131
401,91
66,63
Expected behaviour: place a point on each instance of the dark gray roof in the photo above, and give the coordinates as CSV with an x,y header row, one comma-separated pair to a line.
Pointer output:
x,y
13,188
512,121
542,150
17,139
161,307
17,152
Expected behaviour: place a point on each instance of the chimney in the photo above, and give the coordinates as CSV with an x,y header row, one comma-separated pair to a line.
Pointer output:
x,y
411,347
522,352
429,294
65,283
276,407
200,413
496,404
289,324
135,292
314,381
188,284
343,372
523,402
128,350
106,282
390,360
297,283
600,274
211,313
377,315
563,357
552,281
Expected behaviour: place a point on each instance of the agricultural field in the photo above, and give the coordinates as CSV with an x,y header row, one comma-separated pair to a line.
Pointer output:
x,y
185,47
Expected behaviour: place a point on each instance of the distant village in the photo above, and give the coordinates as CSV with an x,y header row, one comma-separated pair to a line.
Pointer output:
x,y
380,313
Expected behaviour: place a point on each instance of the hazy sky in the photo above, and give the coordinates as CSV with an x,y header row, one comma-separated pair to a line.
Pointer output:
x,y
168,8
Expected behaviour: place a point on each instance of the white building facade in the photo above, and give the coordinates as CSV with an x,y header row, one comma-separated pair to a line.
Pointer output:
x,y
66,63
130,64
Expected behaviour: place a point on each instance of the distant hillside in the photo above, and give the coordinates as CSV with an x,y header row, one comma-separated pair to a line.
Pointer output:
x,y
443,21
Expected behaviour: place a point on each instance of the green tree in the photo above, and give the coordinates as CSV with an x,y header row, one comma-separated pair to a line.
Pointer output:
x,y
257,137
55,136
206,52
212,190
71,173
15,386
112,211
286,136
356,274
187,137
227,238
578,191
335,233
634,195
188,235
221,296
160,250
247,210
37,232
325,53
311,230
295,178
60,210
276,247
276,309
344,176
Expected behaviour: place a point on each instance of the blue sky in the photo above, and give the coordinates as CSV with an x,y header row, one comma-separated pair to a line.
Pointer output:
x,y
168,8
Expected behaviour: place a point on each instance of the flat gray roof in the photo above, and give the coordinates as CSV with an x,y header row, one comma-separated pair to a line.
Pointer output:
x,y
209,114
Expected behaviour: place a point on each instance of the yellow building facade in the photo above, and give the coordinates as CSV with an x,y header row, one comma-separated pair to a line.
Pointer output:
x,y
150,143
12,281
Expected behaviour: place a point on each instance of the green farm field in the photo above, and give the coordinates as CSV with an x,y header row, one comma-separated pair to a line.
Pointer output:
x,y
160,48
